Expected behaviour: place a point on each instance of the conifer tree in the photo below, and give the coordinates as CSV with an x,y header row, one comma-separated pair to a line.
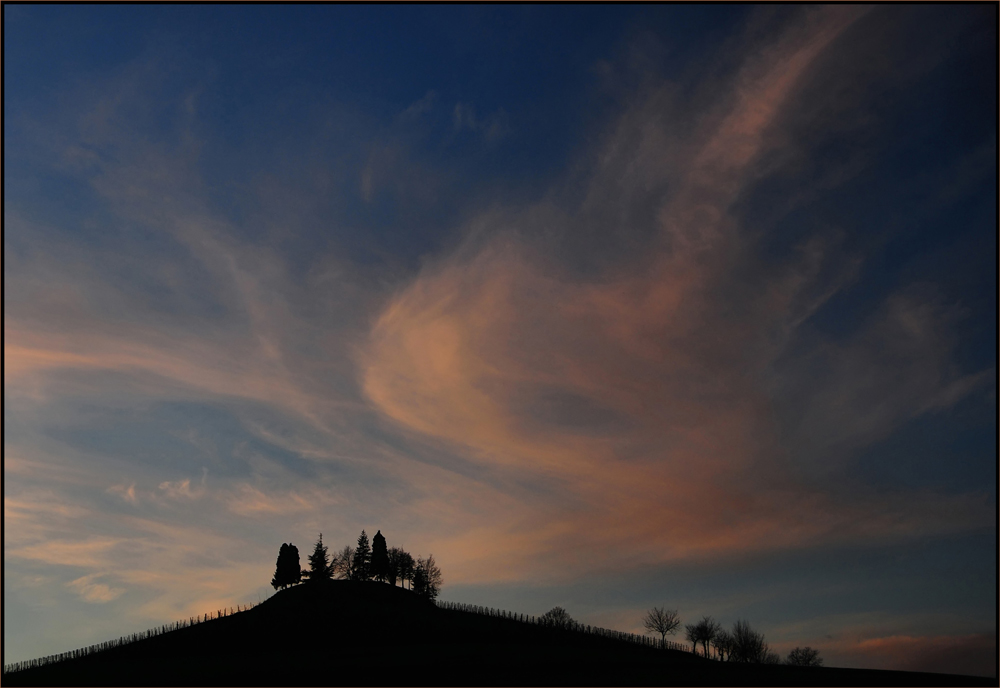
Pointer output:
x,y
277,580
287,570
319,563
380,558
362,559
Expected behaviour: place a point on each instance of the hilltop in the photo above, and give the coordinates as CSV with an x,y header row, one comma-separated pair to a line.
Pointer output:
x,y
363,633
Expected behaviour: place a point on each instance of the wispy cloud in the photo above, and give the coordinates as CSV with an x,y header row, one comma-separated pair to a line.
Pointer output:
x,y
127,493
94,592
614,375
645,395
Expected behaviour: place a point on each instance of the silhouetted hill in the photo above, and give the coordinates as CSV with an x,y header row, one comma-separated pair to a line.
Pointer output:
x,y
353,633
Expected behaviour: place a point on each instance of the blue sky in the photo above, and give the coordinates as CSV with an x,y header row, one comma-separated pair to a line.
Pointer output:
x,y
606,307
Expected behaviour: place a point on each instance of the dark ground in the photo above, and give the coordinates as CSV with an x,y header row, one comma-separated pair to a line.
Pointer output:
x,y
350,633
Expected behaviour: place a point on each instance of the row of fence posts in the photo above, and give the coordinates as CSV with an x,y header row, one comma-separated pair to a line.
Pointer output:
x,y
126,639
580,628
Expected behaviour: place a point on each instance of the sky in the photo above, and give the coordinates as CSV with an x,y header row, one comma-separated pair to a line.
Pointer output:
x,y
606,307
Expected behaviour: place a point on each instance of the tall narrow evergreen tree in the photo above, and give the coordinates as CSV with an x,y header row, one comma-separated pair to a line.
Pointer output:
x,y
278,579
294,567
362,559
319,563
380,558
287,570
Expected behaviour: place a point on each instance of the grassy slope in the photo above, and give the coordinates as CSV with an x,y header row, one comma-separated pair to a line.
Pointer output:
x,y
348,633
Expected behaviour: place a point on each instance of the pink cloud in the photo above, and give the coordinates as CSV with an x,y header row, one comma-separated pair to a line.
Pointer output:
x,y
641,395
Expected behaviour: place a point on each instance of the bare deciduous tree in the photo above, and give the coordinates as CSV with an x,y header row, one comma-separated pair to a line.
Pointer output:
x,y
702,632
661,620
748,644
723,643
709,629
804,656
692,634
342,563
394,567
557,616
427,577
406,568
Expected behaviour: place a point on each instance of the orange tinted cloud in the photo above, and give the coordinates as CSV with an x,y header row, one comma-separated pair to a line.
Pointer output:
x,y
638,397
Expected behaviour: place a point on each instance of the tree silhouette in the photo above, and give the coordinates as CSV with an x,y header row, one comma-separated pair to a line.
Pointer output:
x,y
319,563
559,617
804,656
662,621
709,628
393,565
380,558
702,632
342,563
748,644
287,570
723,643
407,568
361,564
427,578
692,635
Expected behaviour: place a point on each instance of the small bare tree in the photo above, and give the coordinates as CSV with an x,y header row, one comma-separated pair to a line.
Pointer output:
x,y
427,577
661,620
709,629
394,568
342,563
407,567
723,644
748,645
702,632
693,636
559,617
804,656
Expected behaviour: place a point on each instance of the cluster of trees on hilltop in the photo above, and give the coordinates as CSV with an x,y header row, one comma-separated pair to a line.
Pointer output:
x,y
366,561
742,644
